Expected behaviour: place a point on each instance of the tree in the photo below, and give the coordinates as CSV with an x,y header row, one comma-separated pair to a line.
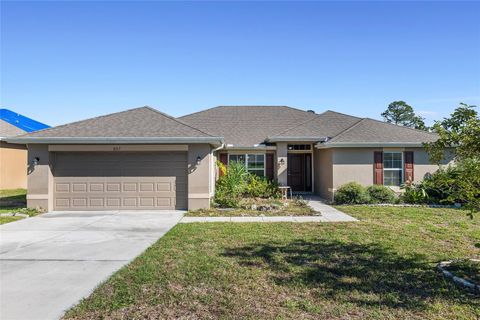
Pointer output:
x,y
460,132
400,113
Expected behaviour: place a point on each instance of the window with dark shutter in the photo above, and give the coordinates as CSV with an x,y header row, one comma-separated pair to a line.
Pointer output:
x,y
269,166
409,166
378,167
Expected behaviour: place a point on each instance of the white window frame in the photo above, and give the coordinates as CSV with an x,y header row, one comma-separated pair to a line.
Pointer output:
x,y
246,160
402,168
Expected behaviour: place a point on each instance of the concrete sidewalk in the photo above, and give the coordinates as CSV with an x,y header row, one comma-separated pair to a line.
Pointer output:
x,y
327,214
48,263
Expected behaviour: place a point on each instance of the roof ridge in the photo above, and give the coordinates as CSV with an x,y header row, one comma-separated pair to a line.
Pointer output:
x,y
78,121
242,106
393,124
176,120
343,114
300,124
197,112
348,129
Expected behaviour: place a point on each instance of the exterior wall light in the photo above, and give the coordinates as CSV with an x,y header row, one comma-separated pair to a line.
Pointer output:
x,y
199,160
35,161
281,162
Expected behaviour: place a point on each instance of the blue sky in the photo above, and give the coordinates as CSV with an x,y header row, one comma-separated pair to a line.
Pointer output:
x,y
66,61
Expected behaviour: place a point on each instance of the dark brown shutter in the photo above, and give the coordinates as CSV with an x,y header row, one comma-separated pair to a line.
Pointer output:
x,y
378,167
269,166
223,157
408,166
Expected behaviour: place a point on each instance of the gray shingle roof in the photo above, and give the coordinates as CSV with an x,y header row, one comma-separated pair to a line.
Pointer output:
x,y
9,130
327,124
139,122
247,125
375,131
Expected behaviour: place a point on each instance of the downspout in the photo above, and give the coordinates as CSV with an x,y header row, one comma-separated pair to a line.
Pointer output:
x,y
214,180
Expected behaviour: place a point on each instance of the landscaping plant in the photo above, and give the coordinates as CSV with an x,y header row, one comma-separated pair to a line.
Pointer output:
x,y
381,194
352,193
236,182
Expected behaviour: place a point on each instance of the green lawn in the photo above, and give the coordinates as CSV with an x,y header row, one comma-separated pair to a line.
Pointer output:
x,y
380,268
12,201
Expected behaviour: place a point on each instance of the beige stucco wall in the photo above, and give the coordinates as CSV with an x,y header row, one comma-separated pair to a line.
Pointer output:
x,y
323,172
199,176
282,154
13,166
40,177
356,164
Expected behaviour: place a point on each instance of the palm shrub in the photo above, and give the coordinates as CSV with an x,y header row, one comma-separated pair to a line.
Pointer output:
x,y
231,185
381,194
351,193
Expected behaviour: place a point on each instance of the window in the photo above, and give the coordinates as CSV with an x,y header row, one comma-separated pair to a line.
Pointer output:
x,y
299,147
392,168
255,163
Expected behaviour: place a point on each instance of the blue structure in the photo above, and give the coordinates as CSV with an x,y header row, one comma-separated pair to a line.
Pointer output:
x,y
21,122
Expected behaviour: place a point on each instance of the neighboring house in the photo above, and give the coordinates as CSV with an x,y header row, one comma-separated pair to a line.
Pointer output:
x,y
13,157
145,159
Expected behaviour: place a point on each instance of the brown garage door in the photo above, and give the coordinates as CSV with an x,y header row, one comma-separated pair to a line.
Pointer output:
x,y
120,181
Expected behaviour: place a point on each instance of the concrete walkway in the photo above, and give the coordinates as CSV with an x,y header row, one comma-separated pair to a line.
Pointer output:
x,y
48,263
327,214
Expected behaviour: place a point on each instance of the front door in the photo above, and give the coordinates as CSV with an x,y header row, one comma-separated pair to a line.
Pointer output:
x,y
299,172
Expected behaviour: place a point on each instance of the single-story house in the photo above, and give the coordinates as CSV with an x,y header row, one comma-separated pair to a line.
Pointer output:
x,y
145,159
13,157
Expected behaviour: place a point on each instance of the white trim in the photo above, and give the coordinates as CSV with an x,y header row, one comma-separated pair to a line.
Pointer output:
x,y
37,196
295,139
198,196
369,145
253,149
246,160
115,148
115,140
402,169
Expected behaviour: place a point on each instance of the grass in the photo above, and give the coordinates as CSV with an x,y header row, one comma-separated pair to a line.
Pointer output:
x,y
466,269
382,267
13,201
293,208
9,219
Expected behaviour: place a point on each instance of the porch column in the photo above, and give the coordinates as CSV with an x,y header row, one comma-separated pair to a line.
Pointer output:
x,y
282,168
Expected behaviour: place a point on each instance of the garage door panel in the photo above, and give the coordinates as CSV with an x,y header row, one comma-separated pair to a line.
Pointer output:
x,y
113,181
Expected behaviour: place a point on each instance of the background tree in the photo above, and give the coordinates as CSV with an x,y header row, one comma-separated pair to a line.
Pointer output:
x,y
400,113
460,132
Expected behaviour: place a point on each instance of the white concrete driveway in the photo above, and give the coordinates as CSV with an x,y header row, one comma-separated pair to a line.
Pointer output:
x,y
48,263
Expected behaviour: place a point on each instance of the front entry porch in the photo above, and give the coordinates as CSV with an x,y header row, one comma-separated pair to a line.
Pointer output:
x,y
299,172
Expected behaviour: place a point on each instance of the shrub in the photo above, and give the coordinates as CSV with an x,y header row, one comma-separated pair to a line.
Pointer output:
x,y
414,193
231,185
381,194
351,193
261,187
236,182
458,183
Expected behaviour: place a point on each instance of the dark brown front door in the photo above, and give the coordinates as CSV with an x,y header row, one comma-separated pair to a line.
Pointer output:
x,y
299,171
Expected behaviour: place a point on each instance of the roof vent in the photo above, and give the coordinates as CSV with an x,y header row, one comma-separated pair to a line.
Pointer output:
x,y
311,111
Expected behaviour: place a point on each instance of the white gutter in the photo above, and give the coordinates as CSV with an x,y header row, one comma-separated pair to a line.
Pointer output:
x,y
251,148
216,141
368,145
296,139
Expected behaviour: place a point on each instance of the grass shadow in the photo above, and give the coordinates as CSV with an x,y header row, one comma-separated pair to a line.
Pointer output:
x,y
363,274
